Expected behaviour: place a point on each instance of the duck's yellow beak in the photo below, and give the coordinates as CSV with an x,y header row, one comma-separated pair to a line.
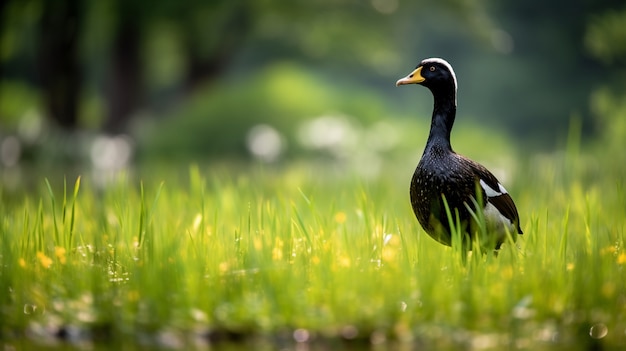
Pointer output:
x,y
414,78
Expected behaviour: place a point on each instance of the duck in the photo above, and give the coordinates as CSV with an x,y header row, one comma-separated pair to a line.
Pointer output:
x,y
451,193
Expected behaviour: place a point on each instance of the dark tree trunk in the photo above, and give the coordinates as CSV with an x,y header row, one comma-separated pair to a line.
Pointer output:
x,y
3,6
59,70
125,80
202,67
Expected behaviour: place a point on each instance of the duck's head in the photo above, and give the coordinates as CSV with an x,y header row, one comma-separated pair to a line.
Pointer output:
x,y
434,73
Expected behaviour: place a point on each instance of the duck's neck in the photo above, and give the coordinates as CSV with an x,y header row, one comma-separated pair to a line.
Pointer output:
x,y
442,121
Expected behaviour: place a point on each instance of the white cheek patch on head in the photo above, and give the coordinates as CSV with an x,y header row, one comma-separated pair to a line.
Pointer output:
x,y
490,191
449,67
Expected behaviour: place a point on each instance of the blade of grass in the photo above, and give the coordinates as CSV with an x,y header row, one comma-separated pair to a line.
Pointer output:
x,y
564,237
142,216
64,204
57,239
73,214
457,238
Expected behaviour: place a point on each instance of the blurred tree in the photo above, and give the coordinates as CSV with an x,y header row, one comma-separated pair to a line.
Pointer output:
x,y
605,40
3,6
212,34
58,60
114,51
550,64
124,86
605,37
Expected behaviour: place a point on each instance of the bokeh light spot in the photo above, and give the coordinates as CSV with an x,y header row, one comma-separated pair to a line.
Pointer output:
x,y
265,142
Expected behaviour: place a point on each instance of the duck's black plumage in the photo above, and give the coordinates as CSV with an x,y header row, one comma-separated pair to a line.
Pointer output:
x,y
443,176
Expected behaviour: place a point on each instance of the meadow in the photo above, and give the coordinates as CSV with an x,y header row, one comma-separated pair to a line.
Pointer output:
x,y
308,255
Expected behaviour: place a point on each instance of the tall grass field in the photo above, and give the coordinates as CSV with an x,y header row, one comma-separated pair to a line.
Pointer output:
x,y
302,257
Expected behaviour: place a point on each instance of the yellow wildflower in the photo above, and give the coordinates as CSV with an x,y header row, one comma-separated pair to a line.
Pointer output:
x,y
277,253
621,259
609,250
340,217
22,262
507,272
389,254
608,289
59,252
258,243
223,267
133,295
344,261
315,260
45,261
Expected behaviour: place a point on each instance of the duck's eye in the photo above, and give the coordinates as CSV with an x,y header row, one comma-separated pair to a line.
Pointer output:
x,y
432,68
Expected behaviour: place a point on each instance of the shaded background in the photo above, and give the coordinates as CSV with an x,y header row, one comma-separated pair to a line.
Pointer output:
x,y
108,83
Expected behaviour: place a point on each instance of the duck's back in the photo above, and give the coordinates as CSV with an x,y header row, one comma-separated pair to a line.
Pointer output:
x,y
438,176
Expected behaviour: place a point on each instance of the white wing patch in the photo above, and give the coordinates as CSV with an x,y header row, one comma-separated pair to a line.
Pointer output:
x,y
495,219
490,191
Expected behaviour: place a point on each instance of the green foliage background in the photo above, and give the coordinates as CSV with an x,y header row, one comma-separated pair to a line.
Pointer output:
x,y
520,71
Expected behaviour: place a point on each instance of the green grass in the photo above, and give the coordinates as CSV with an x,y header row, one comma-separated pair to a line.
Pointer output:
x,y
261,252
